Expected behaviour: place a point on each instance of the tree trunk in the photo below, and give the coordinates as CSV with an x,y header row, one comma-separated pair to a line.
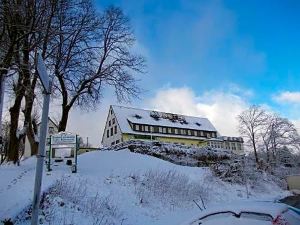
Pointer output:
x,y
34,145
14,142
64,118
255,151
268,154
29,99
22,85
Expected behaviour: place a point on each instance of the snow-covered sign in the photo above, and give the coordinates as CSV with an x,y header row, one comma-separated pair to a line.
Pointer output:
x,y
63,138
63,146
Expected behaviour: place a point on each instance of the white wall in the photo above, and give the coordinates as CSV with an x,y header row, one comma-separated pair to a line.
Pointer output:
x,y
52,129
107,141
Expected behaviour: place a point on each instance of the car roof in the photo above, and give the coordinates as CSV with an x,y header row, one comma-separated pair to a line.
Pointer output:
x,y
270,208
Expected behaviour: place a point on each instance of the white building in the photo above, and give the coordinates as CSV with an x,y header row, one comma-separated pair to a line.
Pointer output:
x,y
125,123
52,129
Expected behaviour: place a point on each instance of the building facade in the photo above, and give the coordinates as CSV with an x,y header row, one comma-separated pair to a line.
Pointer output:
x,y
52,129
124,124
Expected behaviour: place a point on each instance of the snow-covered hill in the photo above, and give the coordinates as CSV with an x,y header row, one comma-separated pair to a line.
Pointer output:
x,y
119,187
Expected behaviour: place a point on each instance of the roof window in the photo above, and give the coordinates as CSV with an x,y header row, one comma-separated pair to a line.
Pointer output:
x,y
138,116
154,115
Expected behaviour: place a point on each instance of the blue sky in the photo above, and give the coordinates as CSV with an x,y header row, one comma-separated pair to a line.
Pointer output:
x,y
216,52
212,44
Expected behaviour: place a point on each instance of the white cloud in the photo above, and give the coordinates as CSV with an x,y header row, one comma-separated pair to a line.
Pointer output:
x,y
287,97
220,107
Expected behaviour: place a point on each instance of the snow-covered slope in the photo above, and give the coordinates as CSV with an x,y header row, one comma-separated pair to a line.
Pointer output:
x,y
133,188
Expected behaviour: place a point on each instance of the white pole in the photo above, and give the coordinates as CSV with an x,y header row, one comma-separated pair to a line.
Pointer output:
x,y
40,160
2,86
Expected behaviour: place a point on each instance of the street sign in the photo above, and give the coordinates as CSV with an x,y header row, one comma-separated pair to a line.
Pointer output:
x,y
63,138
42,71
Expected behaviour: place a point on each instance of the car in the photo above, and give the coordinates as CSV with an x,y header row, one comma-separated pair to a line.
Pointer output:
x,y
248,213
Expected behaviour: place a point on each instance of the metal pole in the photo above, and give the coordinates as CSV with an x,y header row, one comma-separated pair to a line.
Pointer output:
x,y
49,154
2,86
40,160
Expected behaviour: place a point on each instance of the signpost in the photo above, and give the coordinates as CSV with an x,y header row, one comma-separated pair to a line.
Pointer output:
x,y
42,72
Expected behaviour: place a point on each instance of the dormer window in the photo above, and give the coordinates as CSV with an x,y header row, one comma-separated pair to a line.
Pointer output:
x,y
155,115
198,124
138,116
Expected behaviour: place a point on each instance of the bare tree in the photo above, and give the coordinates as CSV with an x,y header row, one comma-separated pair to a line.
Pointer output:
x,y
280,133
93,52
86,53
33,23
251,122
9,34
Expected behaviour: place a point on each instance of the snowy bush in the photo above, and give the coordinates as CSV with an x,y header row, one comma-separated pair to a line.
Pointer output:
x,y
177,153
171,188
68,203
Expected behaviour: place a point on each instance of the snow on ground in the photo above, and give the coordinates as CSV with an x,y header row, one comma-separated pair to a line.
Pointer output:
x,y
132,188
16,186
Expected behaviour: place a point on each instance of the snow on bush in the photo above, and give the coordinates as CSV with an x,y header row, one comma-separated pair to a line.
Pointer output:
x,y
176,153
170,188
68,202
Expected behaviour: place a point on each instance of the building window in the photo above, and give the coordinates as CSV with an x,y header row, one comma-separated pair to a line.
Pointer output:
x,y
111,112
113,143
109,123
117,141
146,128
107,133
113,121
151,129
141,128
137,127
111,131
169,130
115,129
201,133
189,132
208,135
51,130
156,129
164,130
159,129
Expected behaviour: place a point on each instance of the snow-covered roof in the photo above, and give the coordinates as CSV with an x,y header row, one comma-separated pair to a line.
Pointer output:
x,y
155,118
